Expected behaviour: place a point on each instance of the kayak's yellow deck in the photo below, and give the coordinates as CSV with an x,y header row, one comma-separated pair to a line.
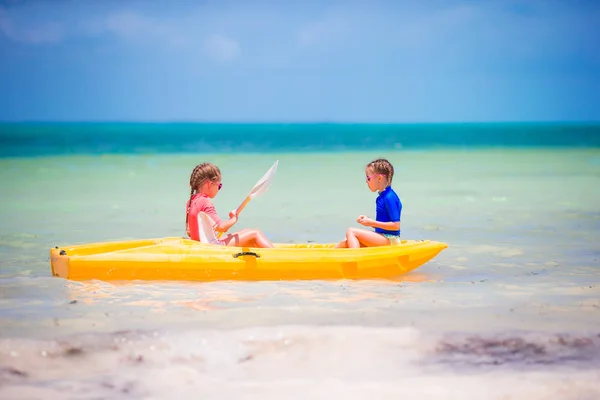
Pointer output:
x,y
184,259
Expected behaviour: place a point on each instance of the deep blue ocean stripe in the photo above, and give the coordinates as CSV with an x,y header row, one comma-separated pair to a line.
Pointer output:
x,y
30,139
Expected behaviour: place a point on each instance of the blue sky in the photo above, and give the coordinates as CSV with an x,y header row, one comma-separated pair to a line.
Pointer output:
x,y
356,61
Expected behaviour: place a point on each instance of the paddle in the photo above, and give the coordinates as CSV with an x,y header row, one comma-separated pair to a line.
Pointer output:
x,y
259,189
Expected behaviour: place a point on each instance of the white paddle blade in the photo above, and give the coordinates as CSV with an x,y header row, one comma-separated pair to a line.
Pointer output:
x,y
263,184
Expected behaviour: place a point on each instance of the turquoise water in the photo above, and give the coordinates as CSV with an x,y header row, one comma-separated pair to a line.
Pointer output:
x,y
29,139
510,310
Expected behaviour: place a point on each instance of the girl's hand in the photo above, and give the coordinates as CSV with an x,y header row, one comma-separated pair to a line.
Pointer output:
x,y
364,220
233,214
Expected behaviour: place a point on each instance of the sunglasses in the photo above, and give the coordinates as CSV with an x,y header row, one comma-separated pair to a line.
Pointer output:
x,y
370,176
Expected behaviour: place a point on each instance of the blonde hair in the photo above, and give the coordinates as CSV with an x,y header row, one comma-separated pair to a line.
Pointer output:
x,y
201,173
383,167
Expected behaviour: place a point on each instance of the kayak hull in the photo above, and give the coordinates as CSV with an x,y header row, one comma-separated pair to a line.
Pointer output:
x,y
184,259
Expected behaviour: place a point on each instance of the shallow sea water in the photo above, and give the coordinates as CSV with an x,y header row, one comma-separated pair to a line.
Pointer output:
x,y
510,310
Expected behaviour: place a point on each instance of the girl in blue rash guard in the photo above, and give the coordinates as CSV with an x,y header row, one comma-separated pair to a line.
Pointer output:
x,y
379,174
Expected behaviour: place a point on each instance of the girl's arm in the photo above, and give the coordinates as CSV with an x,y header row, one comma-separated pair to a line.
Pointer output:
x,y
224,226
388,226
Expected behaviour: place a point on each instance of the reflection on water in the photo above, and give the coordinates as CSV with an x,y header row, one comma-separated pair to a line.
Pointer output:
x,y
220,295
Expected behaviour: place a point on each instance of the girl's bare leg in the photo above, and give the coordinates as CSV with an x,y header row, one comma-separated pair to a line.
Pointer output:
x,y
341,245
248,238
356,237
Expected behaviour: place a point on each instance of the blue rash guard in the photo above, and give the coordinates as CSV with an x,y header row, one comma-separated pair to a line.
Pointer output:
x,y
389,209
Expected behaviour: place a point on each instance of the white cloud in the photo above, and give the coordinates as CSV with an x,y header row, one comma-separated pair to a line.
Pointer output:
x,y
135,27
278,36
36,25
221,48
128,24
32,32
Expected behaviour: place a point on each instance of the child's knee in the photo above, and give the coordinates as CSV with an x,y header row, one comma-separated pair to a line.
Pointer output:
x,y
254,234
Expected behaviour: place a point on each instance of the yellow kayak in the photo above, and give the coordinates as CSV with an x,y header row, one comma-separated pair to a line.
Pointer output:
x,y
183,259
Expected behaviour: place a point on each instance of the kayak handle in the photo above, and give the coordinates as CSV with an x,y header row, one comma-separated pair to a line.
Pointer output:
x,y
246,253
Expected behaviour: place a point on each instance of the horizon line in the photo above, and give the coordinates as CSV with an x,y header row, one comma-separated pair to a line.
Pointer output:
x,y
293,122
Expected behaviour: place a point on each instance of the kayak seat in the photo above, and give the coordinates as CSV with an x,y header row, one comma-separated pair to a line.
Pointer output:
x,y
205,229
